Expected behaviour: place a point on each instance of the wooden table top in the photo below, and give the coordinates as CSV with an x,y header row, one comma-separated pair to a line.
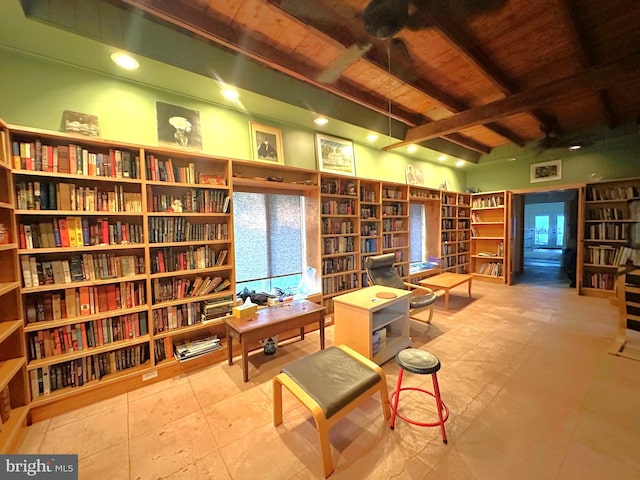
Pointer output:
x,y
446,280
274,314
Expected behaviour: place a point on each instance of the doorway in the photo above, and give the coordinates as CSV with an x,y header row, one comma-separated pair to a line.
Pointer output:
x,y
545,238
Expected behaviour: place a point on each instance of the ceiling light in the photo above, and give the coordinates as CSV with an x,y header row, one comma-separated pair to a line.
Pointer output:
x,y
372,137
442,158
124,60
321,121
230,93
511,159
411,148
460,163
577,146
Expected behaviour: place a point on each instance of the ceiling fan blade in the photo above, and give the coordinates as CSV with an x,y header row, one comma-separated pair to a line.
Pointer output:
x,y
348,57
384,18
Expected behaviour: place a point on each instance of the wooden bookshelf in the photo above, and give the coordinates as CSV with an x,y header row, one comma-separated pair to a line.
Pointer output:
x,y
395,224
339,236
370,224
612,212
13,380
456,232
489,236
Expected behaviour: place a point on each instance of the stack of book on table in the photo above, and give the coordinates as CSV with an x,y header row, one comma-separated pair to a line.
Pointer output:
x,y
194,348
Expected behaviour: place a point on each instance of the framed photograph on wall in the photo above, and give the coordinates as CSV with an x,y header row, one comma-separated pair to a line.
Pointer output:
x,y
266,143
546,171
178,126
82,123
414,175
335,155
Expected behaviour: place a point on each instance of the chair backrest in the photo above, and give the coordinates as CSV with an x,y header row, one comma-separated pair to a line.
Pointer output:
x,y
381,272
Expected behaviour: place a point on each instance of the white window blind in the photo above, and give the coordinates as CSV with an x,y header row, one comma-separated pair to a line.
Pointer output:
x,y
417,240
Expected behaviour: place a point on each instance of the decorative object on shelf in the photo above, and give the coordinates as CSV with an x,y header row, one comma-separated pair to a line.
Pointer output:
x,y
546,171
335,155
178,126
81,123
414,175
266,143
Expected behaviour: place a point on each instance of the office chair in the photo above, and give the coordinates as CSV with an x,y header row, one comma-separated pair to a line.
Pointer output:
x,y
380,271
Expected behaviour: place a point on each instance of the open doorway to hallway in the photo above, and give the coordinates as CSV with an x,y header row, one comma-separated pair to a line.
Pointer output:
x,y
546,238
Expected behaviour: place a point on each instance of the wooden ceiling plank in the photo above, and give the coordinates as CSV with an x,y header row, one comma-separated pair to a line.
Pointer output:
x,y
596,77
578,38
467,142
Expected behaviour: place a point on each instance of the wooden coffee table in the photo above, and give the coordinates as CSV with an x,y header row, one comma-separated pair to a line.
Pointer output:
x,y
446,281
271,321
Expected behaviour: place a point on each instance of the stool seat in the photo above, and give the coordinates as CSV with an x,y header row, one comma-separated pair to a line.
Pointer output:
x,y
422,300
418,361
332,377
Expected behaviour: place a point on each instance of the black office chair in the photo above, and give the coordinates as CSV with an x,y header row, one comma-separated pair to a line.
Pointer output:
x,y
380,271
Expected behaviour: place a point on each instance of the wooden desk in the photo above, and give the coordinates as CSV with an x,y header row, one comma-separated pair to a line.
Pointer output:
x,y
446,281
268,322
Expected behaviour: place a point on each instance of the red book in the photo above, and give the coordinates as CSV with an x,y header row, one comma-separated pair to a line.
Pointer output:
x,y
57,342
105,231
100,333
83,330
103,303
112,297
85,301
64,232
63,159
23,239
50,155
73,159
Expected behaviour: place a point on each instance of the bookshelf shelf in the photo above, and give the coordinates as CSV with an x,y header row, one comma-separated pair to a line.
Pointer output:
x,y
185,300
7,287
9,369
49,324
69,176
197,271
489,234
6,206
10,433
7,328
190,328
72,213
85,283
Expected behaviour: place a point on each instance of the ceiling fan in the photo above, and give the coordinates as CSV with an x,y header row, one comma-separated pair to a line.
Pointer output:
x,y
554,138
381,20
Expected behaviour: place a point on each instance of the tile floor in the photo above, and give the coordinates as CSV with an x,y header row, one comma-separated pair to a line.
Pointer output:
x,y
532,391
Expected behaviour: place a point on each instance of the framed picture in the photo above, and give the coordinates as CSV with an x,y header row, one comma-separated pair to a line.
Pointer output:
x,y
546,171
82,123
414,175
178,126
335,155
266,143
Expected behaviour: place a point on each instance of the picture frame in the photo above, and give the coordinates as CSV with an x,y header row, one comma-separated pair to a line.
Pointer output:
x,y
335,155
178,126
546,171
81,123
414,175
266,143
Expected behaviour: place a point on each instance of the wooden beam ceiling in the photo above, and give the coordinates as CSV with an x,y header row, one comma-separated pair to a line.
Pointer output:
x,y
593,78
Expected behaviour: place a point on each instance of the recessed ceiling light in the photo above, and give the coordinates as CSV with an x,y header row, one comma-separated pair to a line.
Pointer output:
x,y
511,159
460,163
372,137
411,148
230,93
124,60
321,121
577,146
442,158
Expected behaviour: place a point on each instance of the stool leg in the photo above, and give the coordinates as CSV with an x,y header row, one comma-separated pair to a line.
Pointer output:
x,y
436,390
277,401
394,409
325,447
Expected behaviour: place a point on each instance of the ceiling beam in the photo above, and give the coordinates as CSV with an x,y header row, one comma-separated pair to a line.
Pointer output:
x,y
596,77
569,16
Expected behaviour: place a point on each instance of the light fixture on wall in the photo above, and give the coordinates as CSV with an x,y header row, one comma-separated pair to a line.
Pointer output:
x,y
575,146
124,60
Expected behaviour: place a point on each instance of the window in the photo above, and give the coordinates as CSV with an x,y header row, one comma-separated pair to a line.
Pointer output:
x,y
268,234
417,233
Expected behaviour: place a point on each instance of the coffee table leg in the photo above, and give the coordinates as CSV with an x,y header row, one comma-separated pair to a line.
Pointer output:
x,y
321,328
229,347
446,299
469,288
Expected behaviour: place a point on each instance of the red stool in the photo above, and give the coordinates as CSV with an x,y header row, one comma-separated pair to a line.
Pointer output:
x,y
423,363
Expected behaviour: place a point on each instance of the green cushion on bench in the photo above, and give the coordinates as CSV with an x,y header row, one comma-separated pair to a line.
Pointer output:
x,y
332,378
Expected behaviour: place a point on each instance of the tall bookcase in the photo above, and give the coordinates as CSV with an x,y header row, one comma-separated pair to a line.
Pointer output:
x,y
124,252
490,233
370,224
13,387
395,224
612,212
456,232
339,236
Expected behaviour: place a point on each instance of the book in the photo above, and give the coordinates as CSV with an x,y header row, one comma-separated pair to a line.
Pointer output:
x,y
5,404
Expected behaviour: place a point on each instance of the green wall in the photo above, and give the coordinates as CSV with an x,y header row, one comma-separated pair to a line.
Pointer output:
x,y
37,90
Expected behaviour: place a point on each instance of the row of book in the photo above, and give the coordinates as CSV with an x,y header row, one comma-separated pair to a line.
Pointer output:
x,y
194,200
192,258
394,225
607,231
332,227
76,373
180,229
190,349
600,280
338,245
335,207
81,336
608,255
448,211
165,289
369,229
84,301
339,264
369,245
368,212
338,186
618,192
392,194
397,210
339,283
488,202
394,241
163,349
367,195
176,316
96,266
72,197
604,214
164,170
74,159
78,232
493,269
